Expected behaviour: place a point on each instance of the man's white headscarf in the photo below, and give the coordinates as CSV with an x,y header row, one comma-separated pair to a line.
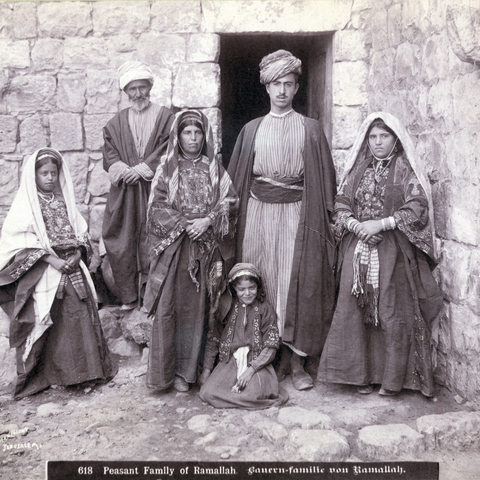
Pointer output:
x,y
277,65
133,70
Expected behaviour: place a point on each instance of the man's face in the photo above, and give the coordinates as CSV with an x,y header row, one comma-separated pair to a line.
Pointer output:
x,y
138,92
281,92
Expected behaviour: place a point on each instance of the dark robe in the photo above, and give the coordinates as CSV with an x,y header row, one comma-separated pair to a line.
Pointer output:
x,y
310,301
124,222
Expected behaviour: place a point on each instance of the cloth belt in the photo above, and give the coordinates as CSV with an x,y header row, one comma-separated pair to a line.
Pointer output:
x,y
268,190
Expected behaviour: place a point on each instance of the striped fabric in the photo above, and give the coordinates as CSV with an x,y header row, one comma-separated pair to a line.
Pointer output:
x,y
271,228
141,125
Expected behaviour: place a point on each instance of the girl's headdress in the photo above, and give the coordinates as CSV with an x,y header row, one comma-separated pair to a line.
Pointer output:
x,y
241,269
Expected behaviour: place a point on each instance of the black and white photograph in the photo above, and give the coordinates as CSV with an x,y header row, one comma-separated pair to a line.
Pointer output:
x,y
240,239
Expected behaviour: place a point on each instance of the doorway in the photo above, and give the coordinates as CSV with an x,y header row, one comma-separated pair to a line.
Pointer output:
x,y
244,98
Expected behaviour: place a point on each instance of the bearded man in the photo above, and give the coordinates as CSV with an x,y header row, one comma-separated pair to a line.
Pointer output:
x,y
135,139
283,172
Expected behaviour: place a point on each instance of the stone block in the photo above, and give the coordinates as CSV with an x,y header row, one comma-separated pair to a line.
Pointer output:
x,y
350,46
453,431
441,104
62,20
407,65
102,92
4,324
214,116
200,423
466,91
390,442
8,362
78,165
8,181
124,348
305,419
319,445
197,86
394,25
349,83
33,134
118,17
99,183
416,21
110,322
454,263
473,282
71,92
123,43
31,94
435,64
137,326
96,222
346,123
272,431
382,70
357,417
176,17
465,331
15,54
379,26
463,29
276,16
93,125
340,158
6,19
25,20
85,53
203,47
47,54
66,131
162,50
8,133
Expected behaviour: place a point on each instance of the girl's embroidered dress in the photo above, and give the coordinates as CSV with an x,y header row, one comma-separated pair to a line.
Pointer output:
x,y
253,326
55,325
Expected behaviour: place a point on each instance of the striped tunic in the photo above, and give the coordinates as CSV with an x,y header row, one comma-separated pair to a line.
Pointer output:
x,y
271,228
142,124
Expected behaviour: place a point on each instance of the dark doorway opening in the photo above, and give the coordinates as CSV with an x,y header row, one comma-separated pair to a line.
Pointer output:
x,y
244,98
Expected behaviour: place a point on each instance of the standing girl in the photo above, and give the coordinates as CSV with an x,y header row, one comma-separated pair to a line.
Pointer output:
x,y
45,286
244,376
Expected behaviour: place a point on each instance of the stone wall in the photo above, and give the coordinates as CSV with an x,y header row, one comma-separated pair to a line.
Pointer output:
x,y
58,87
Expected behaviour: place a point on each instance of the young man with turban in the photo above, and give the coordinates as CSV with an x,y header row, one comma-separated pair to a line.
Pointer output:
x,y
135,139
283,173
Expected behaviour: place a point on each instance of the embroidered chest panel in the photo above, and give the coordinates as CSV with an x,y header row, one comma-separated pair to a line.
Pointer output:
x,y
195,189
59,230
370,195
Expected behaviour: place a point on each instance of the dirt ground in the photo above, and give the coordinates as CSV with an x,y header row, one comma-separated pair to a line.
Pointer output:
x,y
124,420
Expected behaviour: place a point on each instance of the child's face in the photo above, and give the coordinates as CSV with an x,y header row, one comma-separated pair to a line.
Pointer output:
x,y
46,177
246,291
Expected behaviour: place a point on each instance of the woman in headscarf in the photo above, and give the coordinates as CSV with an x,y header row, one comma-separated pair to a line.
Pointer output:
x,y
191,221
45,286
387,296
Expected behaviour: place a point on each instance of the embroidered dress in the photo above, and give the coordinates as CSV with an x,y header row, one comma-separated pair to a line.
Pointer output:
x,y
251,331
395,352
183,273
55,325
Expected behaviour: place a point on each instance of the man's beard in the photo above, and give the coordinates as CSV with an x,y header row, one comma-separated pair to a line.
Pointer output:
x,y
139,104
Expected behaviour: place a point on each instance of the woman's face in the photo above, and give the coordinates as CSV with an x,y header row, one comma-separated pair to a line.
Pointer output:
x,y
46,177
246,291
381,142
191,140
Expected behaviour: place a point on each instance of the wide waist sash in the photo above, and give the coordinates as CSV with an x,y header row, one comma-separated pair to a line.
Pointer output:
x,y
269,190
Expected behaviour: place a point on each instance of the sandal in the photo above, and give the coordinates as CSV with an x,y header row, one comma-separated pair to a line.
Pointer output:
x,y
365,389
387,393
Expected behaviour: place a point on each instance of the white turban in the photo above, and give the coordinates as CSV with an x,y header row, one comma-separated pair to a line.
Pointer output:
x,y
133,70
277,65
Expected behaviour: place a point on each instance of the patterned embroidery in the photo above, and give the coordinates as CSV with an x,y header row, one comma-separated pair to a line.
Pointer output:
x,y
59,230
195,190
172,236
19,268
370,195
